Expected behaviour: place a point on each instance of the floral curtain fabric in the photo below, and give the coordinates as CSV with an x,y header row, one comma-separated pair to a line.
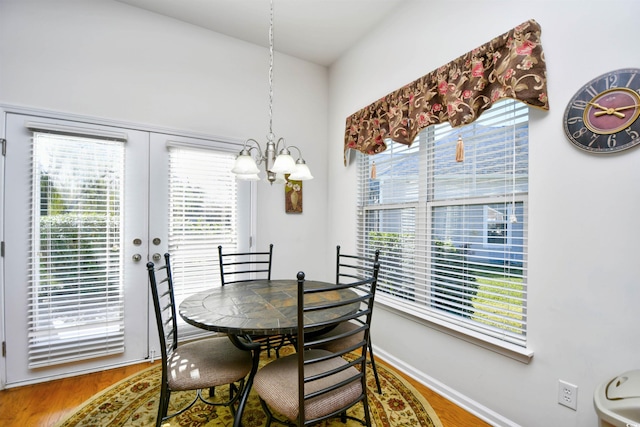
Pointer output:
x,y
509,66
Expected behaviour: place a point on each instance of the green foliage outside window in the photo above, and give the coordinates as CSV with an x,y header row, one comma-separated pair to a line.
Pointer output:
x,y
395,259
454,287
72,252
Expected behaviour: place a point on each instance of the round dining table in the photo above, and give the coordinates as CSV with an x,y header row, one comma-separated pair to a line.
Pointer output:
x,y
257,307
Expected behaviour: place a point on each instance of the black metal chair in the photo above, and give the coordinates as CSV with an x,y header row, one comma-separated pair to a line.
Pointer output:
x,y
315,384
201,364
349,268
239,267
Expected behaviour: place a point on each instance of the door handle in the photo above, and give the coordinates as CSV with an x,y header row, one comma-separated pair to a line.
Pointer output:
x,y
136,257
157,257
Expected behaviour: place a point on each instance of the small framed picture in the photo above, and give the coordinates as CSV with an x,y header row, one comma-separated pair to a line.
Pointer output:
x,y
292,196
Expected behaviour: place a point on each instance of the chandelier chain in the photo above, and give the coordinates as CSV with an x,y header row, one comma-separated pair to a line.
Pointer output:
x,y
271,136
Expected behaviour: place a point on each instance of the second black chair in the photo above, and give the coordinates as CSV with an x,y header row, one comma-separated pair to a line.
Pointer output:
x,y
349,268
242,267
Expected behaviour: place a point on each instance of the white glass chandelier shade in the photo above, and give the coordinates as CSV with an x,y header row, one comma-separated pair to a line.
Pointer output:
x,y
284,163
245,164
248,177
302,172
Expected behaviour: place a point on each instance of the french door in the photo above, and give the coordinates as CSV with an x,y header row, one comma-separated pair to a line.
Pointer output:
x,y
86,207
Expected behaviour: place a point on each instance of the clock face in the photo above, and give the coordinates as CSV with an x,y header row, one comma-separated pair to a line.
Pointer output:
x,y
602,117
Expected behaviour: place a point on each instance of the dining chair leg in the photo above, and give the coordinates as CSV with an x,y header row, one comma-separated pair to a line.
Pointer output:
x,y
375,370
232,392
267,412
268,347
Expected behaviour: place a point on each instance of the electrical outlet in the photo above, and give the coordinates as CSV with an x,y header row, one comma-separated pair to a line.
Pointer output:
x,y
568,395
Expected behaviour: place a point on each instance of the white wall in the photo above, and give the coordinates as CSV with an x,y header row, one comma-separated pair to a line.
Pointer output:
x,y
584,274
105,59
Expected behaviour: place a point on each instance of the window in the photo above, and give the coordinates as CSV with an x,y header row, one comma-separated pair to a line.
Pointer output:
x,y
453,235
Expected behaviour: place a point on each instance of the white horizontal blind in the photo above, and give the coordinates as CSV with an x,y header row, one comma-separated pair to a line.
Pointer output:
x,y
76,307
453,235
389,216
202,215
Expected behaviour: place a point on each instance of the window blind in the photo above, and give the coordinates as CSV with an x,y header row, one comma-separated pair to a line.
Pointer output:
x,y
453,235
76,308
202,215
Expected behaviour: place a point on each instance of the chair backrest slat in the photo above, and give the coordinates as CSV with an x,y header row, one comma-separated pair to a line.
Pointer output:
x,y
240,267
352,267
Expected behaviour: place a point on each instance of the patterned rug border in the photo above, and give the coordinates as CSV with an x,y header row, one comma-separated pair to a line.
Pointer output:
x,y
107,390
415,393
388,373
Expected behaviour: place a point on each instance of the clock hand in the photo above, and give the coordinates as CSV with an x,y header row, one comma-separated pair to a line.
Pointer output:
x,y
598,106
627,107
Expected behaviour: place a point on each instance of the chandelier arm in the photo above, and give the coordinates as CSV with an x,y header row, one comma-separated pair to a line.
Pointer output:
x,y
284,144
286,147
299,151
256,146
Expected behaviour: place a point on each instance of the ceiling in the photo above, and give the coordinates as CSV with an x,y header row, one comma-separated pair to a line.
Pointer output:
x,y
318,31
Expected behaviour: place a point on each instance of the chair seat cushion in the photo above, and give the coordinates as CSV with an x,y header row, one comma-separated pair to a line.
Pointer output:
x,y
342,343
277,385
207,363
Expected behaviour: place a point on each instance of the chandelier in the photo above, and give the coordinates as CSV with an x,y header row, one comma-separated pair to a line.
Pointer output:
x,y
246,166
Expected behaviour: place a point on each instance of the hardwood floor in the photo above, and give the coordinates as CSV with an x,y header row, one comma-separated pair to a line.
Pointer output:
x,y
42,405
450,414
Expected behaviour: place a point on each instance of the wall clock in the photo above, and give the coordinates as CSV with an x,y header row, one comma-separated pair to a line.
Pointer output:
x,y
602,117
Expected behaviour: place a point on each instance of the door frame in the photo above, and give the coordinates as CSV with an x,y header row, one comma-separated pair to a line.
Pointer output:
x,y
6,109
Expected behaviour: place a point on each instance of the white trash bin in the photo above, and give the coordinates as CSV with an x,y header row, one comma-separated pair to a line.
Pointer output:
x,y
617,401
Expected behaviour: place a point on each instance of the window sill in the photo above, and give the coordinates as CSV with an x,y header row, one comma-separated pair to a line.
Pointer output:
x,y
523,355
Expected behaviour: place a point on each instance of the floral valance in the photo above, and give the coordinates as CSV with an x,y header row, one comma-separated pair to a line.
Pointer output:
x,y
509,66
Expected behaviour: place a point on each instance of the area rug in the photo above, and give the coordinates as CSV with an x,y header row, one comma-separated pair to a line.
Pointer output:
x,y
134,402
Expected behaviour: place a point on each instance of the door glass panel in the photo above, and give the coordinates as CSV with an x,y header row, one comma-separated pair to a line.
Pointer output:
x,y
203,214
76,306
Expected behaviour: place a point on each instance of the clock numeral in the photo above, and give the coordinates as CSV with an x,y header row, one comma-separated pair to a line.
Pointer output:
x,y
591,91
631,77
579,104
577,134
593,140
574,120
610,81
611,141
632,133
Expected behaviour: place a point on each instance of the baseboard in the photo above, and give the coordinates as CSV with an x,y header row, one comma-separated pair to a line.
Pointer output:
x,y
459,399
